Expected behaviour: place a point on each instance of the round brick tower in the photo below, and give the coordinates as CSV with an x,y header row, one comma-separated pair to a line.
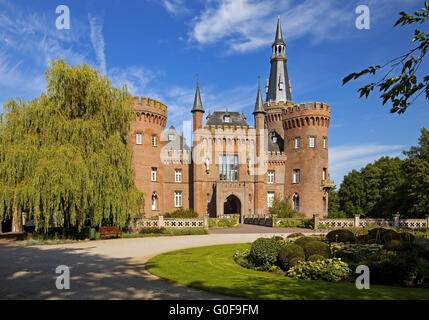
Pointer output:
x,y
306,145
145,141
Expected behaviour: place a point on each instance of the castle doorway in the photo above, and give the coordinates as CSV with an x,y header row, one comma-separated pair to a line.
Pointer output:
x,y
232,205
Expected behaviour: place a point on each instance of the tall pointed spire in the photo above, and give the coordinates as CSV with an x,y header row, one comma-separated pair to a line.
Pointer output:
x,y
278,86
279,35
198,106
259,105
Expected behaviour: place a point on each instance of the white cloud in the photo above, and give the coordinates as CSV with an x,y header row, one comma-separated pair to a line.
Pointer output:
x,y
175,7
97,40
246,24
343,159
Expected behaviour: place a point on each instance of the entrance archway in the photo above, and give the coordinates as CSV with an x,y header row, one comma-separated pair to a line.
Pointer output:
x,y
232,205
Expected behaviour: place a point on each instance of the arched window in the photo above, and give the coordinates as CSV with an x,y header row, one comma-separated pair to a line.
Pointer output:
x,y
296,202
154,201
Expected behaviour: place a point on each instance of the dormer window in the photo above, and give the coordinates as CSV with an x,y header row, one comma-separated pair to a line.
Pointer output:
x,y
280,85
170,137
227,119
274,139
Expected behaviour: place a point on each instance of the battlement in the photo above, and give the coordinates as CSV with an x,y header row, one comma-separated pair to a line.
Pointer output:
x,y
307,106
149,102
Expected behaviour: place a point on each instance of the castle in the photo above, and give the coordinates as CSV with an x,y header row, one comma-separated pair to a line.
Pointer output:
x,y
233,167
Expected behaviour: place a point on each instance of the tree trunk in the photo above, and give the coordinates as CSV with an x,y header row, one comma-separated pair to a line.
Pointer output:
x,y
17,219
1,226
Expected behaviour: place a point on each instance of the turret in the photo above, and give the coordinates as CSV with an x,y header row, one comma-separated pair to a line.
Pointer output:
x,y
306,145
197,110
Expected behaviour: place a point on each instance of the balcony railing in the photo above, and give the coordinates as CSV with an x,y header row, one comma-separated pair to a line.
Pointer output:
x,y
327,183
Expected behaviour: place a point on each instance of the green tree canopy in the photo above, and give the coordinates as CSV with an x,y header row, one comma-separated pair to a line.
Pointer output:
x,y
64,155
387,186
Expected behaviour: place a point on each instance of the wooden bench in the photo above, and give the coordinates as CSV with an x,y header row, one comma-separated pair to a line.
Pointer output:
x,y
109,231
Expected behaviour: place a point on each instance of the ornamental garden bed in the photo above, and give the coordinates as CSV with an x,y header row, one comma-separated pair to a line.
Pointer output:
x,y
393,258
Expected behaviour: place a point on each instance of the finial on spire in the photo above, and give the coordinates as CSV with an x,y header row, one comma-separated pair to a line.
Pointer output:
x,y
198,106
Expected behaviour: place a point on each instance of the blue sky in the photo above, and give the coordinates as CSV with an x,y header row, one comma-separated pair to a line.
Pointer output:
x,y
157,47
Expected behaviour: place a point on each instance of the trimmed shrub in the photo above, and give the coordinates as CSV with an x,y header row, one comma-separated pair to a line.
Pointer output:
x,y
406,236
396,245
295,261
382,235
394,269
327,270
315,257
341,235
264,252
289,252
295,235
303,241
317,247
182,213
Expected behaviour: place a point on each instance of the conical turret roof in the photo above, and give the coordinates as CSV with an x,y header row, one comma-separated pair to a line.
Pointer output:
x,y
259,105
279,35
198,106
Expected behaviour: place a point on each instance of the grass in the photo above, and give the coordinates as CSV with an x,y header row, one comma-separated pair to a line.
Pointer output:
x,y
213,269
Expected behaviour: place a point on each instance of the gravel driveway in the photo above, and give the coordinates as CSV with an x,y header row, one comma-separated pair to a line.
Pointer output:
x,y
106,269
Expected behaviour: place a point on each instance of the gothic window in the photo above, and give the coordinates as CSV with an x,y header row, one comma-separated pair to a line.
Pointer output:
x,y
154,201
296,202
177,199
228,167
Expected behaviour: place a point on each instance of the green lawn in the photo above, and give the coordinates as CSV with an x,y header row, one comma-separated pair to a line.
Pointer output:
x,y
213,268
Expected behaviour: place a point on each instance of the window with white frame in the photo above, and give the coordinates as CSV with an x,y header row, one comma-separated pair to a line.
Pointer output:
x,y
324,174
138,138
178,175
153,141
170,137
312,142
153,174
270,199
227,119
296,175
325,143
297,143
271,176
178,199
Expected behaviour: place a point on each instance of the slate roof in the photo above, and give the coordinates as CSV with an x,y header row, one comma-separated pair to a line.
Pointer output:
x,y
179,142
218,118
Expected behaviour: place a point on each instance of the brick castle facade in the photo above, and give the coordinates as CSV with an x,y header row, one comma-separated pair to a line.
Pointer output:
x,y
233,167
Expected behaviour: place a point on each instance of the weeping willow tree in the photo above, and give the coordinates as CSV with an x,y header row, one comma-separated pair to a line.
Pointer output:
x,y
64,156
